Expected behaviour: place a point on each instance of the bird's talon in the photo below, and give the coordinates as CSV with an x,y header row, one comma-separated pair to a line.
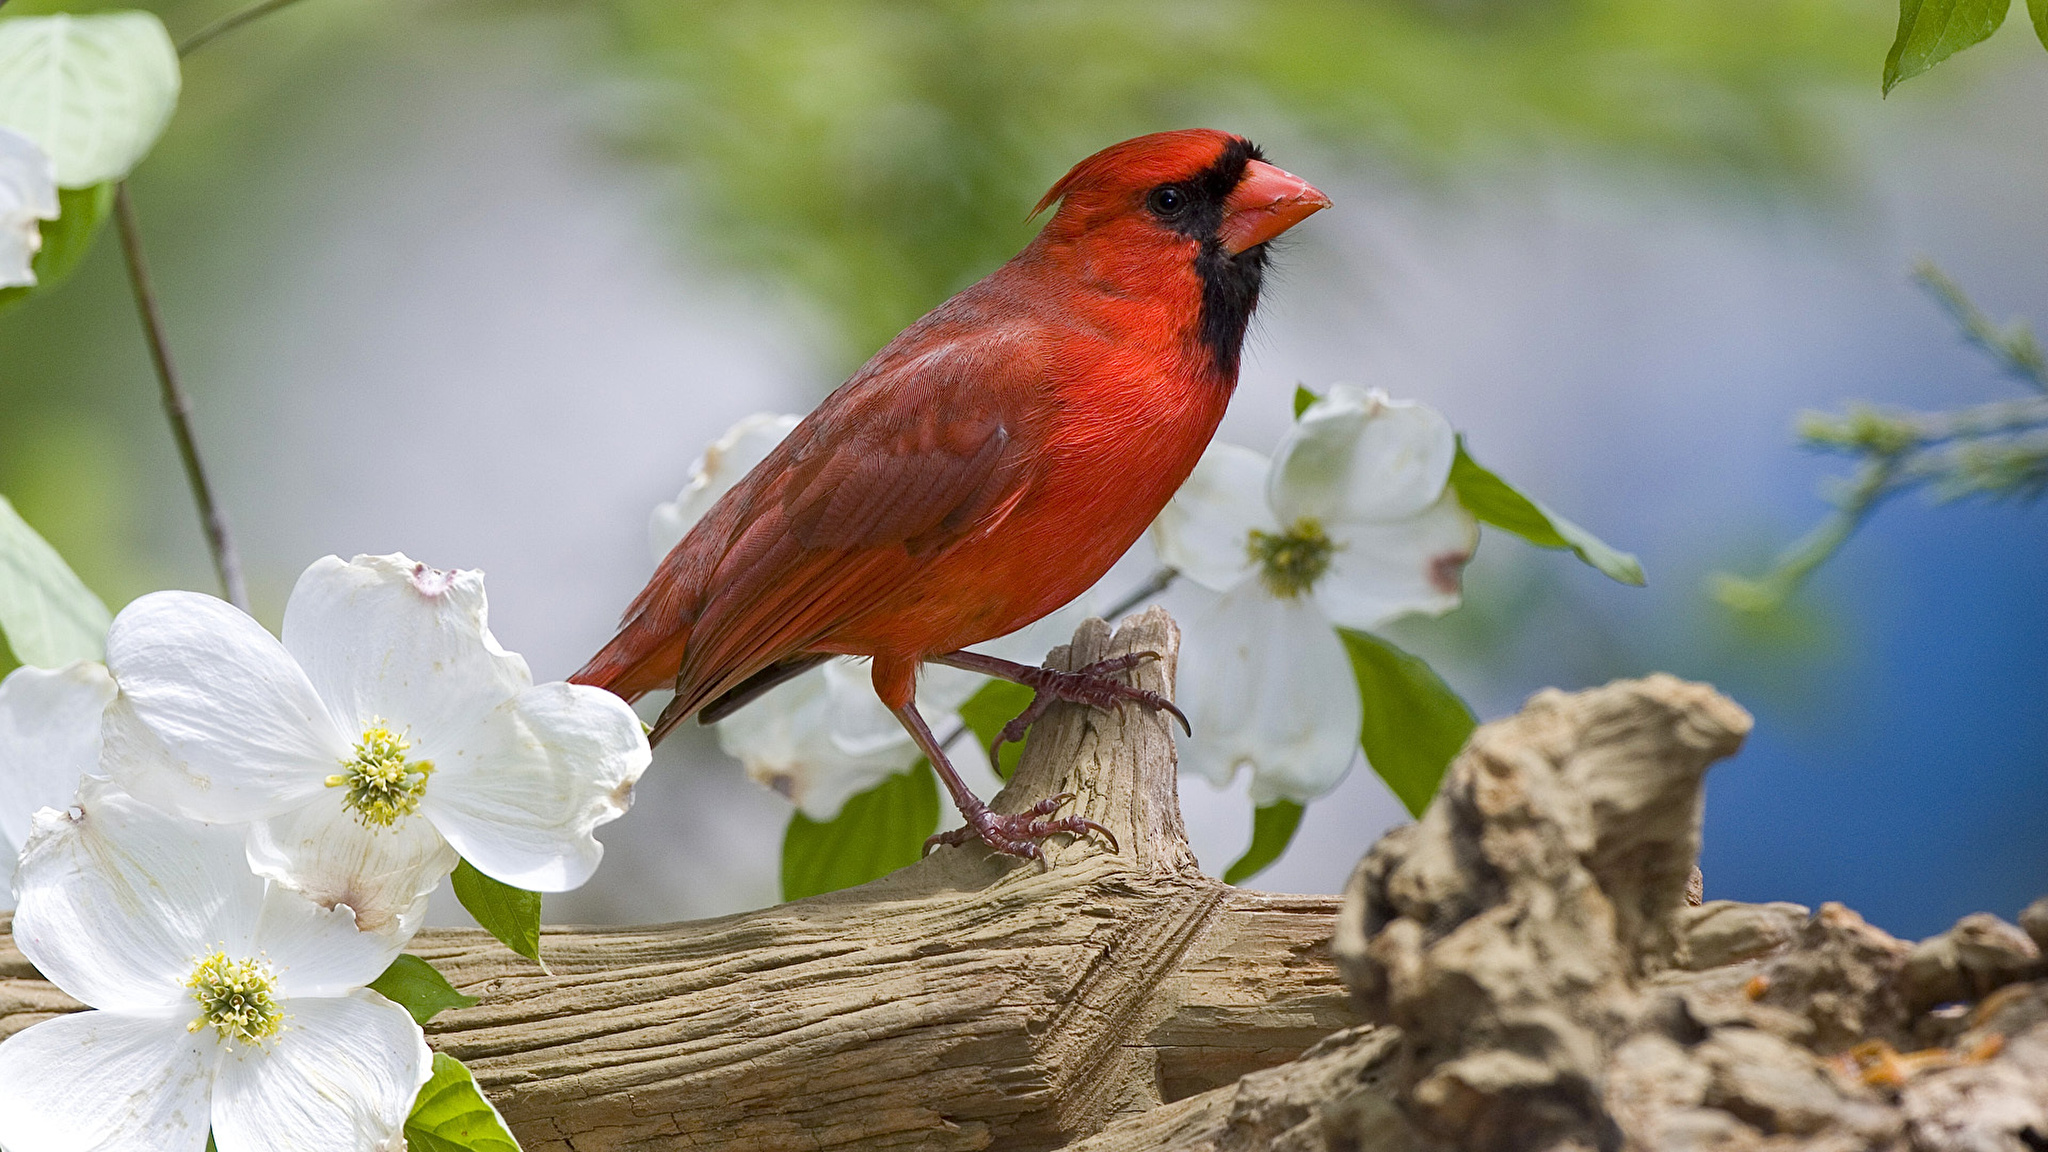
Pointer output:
x,y
1019,834
1051,804
1106,835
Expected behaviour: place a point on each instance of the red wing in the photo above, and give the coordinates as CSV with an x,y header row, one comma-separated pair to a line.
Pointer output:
x,y
893,467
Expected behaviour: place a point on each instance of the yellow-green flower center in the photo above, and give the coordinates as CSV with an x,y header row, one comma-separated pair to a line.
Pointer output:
x,y
1291,562
237,997
382,784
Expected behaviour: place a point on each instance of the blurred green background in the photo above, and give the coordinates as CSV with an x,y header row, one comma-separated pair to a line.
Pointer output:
x,y
476,280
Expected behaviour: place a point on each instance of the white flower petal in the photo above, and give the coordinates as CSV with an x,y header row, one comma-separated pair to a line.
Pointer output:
x,y
340,1077
1205,530
859,725
49,737
318,951
238,731
713,474
1267,686
102,1082
28,196
1357,455
785,729
383,875
1385,570
789,742
520,793
117,900
383,638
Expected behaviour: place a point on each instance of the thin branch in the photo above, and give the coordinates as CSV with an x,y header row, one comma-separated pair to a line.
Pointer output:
x,y
2016,466
1874,481
1159,582
177,407
2014,347
1997,450
1864,428
228,23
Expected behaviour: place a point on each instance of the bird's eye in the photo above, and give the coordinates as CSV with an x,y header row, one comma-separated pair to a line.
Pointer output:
x,y
1167,201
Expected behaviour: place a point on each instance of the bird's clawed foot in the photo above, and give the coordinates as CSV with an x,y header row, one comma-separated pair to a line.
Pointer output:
x,y
1093,685
1019,834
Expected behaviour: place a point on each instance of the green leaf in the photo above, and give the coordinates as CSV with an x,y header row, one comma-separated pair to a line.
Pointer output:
x,y
993,705
1931,31
66,239
2038,9
1413,722
1273,827
1494,501
1302,399
419,988
451,1114
49,616
877,832
511,914
94,92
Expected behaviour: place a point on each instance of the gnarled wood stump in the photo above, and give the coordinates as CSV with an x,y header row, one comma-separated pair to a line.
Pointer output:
x,y
968,1001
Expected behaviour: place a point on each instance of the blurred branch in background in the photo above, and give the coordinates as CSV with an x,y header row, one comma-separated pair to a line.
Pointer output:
x,y
875,155
229,23
1998,450
227,562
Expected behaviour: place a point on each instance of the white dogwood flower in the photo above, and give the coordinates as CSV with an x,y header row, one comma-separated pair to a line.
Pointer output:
x,y
28,196
220,1001
813,742
1351,524
387,733
730,457
49,738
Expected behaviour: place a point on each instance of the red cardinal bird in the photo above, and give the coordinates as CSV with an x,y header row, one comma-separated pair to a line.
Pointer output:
x,y
987,466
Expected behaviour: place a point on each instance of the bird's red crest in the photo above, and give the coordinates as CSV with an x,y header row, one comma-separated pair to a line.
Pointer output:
x,y
1144,161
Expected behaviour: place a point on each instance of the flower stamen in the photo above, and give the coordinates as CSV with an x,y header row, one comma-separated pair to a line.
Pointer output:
x,y
1291,562
237,997
382,784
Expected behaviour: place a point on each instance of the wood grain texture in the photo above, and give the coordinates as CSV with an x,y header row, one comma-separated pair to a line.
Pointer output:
x,y
965,1002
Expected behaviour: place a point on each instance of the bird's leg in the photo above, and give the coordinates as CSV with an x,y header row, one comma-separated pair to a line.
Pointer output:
x,y
1016,835
1093,685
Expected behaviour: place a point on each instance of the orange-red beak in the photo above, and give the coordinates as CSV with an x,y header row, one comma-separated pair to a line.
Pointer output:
x,y
1266,202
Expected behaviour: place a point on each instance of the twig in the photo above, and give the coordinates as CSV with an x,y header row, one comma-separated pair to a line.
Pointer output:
x,y
176,406
1996,449
1159,582
1865,428
228,23
2015,348
1874,481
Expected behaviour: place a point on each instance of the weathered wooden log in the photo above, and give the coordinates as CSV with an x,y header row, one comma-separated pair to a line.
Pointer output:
x,y
968,1001
1540,981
